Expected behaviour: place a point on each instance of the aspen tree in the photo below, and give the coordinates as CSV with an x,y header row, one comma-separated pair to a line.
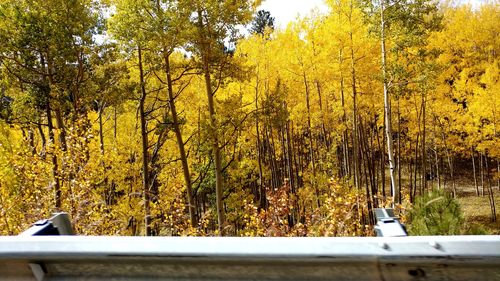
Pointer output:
x,y
214,22
46,56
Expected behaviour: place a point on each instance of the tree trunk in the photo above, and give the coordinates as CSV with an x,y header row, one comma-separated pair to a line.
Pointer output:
x,y
387,107
491,196
371,190
42,136
296,156
410,168
399,153
481,169
268,145
310,138
474,170
436,159
59,119
355,139
31,140
495,135
205,56
55,168
323,127
180,145
101,135
291,174
262,189
415,166
62,129
115,122
284,155
382,164
452,174
145,156
272,154
424,148
498,174
345,137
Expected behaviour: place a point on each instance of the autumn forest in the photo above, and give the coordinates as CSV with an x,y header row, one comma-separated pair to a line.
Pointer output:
x,y
200,117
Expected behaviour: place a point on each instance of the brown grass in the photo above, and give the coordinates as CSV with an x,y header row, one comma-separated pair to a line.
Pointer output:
x,y
477,211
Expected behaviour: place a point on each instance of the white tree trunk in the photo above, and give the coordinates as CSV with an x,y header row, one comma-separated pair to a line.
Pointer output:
x,y
387,108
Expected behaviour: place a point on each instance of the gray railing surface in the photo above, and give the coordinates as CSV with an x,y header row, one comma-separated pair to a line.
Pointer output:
x,y
194,258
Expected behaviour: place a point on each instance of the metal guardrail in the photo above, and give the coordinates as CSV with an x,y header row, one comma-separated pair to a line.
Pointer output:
x,y
58,224
193,258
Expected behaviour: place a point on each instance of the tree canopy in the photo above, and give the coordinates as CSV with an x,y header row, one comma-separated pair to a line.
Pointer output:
x,y
175,122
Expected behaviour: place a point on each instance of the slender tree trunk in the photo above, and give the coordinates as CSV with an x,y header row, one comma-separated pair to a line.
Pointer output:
x,y
436,157
62,129
355,139
296,155
58,114
55,168
269,153
52,143
324,138
371,190
205,55
452,174
410,168
290,157
145,154
262,189
387,106
345,137
498,174
277,175
42,136
284,154
450,166
436,160
399,153
474,170
180,144
424,147
415,186
309,126
365,171
31,140
382,163
355,146
323,127
443,174
491,195
495,134
115,122
101,134
481,168
310,138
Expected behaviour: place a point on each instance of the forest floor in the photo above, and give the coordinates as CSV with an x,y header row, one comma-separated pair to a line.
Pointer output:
x,y
476,209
